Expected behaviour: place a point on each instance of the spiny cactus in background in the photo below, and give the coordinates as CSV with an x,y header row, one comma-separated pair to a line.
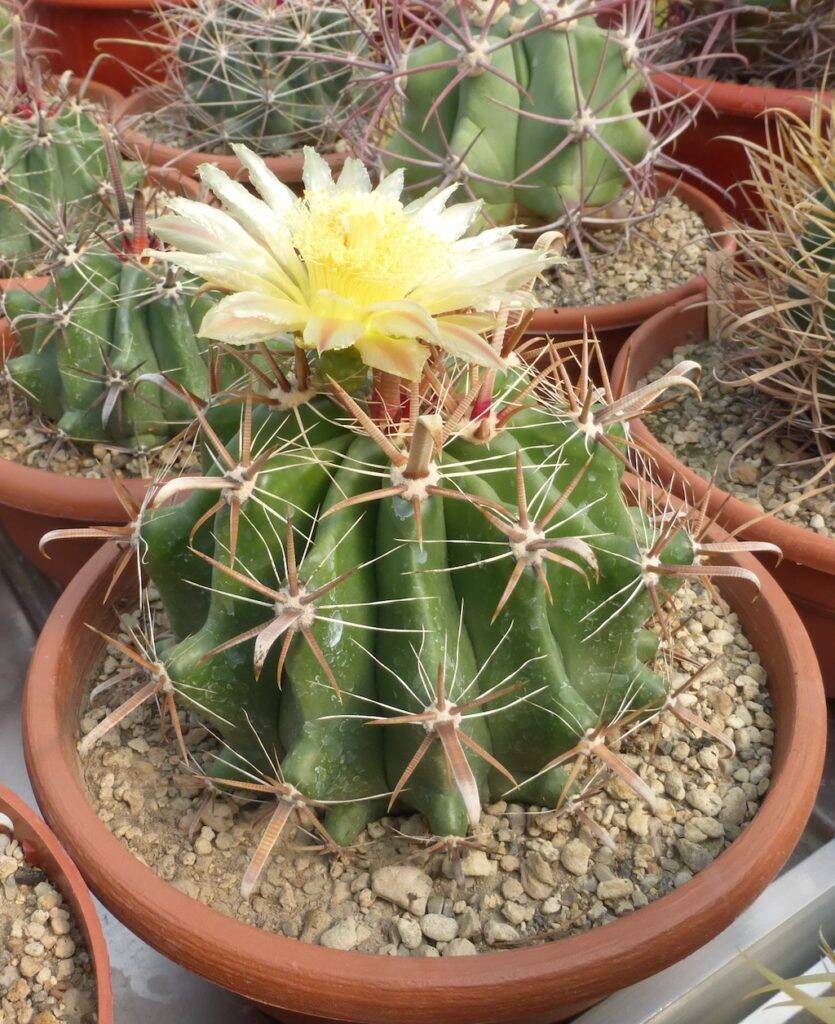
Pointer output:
x,y
53,165
276,75
107,319
528,104
786,43
6,37
785,329
429,591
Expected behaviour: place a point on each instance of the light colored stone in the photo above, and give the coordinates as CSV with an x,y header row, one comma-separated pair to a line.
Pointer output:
x,y
409,932
439,928
615,889
343,935
496,932
574,857
403,885
459,947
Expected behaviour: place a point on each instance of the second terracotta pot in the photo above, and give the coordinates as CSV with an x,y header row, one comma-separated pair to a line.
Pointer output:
x,y
614,322
34,501
726,111
73,29
297,982
807,571
42,850
136,142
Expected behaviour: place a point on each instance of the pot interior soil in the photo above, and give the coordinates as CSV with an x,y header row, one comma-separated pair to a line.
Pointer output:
x,y
27,439
46,972
651,256
771,473
528,875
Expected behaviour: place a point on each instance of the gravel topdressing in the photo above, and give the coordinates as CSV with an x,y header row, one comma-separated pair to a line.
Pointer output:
x,y
28,440
528,875
46,974
711,434
667,249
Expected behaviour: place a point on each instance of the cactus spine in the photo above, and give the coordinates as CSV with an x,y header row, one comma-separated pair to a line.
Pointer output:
x,y
429,592
53,165
786,339
274,75
784,43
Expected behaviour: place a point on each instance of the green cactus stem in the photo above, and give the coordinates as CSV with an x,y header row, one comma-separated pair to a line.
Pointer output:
x,y
274,75
53,163
104,322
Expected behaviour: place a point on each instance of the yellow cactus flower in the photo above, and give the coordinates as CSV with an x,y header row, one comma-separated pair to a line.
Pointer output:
x,y
347,264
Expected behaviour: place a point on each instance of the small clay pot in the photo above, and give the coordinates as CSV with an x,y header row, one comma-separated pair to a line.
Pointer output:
x,y
136,142
297,982
105,96
42,850
76,32
34,501
614,322
807,571
727,109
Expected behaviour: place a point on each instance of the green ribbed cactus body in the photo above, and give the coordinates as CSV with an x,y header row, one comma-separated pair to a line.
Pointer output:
x,y
502,125
261,70
415,600
99,324
48,165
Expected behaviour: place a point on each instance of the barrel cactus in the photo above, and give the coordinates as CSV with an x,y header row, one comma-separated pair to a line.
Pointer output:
x,y
784,337
529,105
94,337
274,75
420,586
784,43
53,165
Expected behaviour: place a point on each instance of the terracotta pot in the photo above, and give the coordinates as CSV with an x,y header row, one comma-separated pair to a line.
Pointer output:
x,y
134,141
298,982
807,571
613,323
108,98
73,29
33,501
42,850
727,109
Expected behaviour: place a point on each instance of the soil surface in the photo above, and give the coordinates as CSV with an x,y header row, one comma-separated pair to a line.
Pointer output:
x,y
46,974
771,473
651,256
527,875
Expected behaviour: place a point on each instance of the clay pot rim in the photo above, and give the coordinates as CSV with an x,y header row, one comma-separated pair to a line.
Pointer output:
x,y
503,986
735,98
41,492
631,312
287,168
796,542
29,829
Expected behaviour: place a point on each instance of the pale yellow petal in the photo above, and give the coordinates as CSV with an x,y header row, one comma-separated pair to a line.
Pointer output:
x,y
401,319
464,343
248,317
403,357
329,334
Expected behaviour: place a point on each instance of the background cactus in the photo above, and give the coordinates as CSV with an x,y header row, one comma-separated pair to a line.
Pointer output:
x,y
103,321
428,592
783,337
786,43
53,166
529,105
276,75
